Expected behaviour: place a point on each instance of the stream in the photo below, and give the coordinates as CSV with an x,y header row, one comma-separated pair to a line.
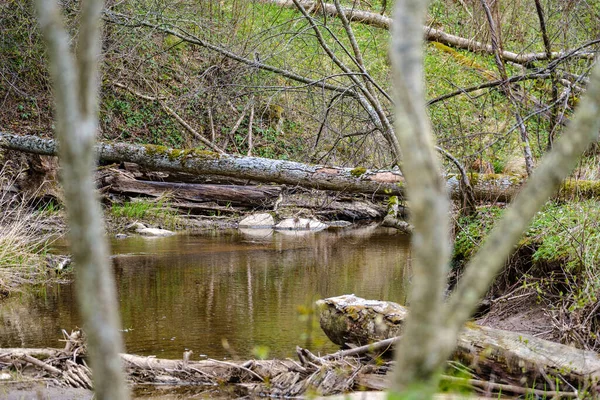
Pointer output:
x,y
223,294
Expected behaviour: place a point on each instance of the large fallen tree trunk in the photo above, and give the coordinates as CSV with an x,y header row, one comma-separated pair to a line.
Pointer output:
x,y
431,34
513,357
486,187
237,195
253,168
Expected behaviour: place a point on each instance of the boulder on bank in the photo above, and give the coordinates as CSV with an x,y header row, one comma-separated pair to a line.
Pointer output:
x,y
300,224
257,221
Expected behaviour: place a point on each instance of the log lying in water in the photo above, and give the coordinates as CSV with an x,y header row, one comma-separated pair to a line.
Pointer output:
x,y
514,357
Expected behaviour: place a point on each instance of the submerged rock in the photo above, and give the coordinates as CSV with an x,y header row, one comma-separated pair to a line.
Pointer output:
x,y
257,221
339,224
254,233
154,232
300,224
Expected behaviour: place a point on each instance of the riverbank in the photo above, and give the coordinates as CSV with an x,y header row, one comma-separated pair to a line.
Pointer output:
x,y
525,298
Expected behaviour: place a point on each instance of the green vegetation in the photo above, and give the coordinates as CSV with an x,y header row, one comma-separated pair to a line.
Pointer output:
x,y
145,70
22,247
565,233
557,258
156,212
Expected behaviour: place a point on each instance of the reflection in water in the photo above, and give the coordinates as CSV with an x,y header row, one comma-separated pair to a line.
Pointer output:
x,y
242,287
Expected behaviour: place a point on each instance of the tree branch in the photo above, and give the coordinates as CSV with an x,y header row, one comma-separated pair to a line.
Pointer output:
x,y
431,34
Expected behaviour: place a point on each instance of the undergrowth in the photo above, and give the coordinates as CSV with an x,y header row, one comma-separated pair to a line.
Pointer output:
x,y
22,247
562,269
155,212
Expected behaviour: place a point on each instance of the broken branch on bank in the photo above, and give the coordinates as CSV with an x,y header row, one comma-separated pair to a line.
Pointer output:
x,y
518,359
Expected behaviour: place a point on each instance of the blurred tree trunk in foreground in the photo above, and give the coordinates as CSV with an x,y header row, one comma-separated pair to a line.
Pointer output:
x,y
433,325
75,86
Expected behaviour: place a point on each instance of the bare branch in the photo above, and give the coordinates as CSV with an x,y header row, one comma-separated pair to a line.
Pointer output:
x,y
431,34
122,19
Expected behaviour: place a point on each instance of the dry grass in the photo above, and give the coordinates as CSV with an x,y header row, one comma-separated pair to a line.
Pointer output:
x,y
22,246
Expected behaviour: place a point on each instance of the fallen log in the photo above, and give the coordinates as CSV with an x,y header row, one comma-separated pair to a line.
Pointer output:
x,y
486,187
249,196
514,357
357,180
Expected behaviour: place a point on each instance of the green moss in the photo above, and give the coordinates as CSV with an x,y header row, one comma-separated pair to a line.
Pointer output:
x,y
175,154
180,154
572,189
358,171
153,150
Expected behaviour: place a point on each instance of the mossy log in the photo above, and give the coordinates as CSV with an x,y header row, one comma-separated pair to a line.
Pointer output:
x,y
514,357
487,187
201,162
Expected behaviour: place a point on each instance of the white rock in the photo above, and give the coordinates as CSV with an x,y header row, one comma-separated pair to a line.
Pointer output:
x,y
135,226
154,232
257,221
5,376
300,224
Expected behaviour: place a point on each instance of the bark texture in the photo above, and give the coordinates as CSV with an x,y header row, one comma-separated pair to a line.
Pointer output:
x,y
238,170
417,355
247,196
201,162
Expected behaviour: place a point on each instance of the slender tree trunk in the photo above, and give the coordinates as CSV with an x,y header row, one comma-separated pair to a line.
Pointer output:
x,y
75,87
432,328
417,356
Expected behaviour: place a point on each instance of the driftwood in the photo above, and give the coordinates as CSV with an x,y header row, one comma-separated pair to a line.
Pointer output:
x,y
515,358
249,196
332,207
340,372
273,378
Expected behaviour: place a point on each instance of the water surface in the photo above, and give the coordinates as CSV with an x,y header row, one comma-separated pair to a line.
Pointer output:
x,y
223,294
